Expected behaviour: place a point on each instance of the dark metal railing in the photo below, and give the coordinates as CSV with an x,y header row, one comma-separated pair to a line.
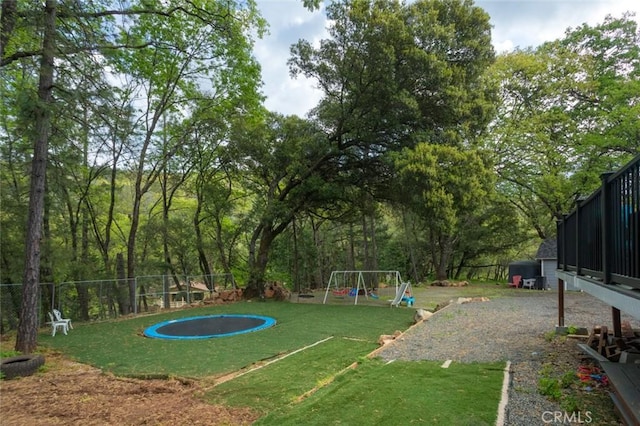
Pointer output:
x,y
601,237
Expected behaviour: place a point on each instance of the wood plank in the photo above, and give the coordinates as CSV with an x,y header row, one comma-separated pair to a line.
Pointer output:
x,y
625,382
591,352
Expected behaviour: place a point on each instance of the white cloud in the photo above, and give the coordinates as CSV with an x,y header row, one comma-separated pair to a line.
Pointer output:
x,y
516,23
529,23
289,22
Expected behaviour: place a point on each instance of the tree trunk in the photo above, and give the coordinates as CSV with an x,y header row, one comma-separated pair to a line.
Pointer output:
x,y
411,242
351,253
258,261
439,256
124,302
83,291
202,256
374,245
26,340
133,233
365,243
296,277
443,248
220,244
463,261
319,276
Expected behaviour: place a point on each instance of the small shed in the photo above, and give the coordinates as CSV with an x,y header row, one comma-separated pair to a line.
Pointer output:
x,y
547,255
179,298
525,268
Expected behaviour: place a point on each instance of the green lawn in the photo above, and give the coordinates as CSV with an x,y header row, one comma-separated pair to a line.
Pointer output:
x,y
402,393
120,347
303,375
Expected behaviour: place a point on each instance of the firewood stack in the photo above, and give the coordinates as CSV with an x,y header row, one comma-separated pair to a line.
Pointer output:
x,y
624,349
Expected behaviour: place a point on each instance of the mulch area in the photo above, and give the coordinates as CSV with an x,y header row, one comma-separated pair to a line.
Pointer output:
x,y
68,393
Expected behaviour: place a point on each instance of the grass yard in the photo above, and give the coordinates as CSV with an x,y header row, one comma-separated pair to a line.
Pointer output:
x,y
375,392
119,346
429,297
297,371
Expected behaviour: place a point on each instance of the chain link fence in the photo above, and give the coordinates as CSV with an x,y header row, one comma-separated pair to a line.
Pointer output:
x,y
99,300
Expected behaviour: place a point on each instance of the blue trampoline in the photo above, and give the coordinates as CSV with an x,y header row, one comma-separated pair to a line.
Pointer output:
x,y
206,327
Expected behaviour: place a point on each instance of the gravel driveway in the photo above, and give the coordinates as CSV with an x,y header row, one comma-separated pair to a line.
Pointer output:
x,y
504,329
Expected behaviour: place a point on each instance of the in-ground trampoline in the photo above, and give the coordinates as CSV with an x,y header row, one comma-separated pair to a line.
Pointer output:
x,y
205,327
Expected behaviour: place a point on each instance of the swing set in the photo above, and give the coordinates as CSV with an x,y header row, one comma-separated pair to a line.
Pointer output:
x,y
366,283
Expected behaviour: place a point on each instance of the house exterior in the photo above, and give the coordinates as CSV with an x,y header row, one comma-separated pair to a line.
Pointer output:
x,y
599,253
547,255
598,244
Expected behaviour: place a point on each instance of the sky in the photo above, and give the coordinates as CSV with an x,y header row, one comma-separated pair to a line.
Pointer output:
x,y
516,23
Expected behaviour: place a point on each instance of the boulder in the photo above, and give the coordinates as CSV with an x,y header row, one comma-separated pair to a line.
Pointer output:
x,y
461,300
422,315
388,338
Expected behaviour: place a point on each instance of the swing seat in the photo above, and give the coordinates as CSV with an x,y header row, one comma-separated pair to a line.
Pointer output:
x,y
341,292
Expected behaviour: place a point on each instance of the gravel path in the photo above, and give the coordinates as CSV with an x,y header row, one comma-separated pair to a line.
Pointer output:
x,y
508,328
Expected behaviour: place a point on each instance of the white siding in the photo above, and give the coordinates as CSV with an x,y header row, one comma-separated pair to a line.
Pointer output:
x,y
549,267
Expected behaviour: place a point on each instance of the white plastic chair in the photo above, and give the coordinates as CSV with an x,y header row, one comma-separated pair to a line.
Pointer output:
x,y
57,324
58,316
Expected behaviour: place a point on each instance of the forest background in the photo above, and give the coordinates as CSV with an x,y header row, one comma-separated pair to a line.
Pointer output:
x,y
134,141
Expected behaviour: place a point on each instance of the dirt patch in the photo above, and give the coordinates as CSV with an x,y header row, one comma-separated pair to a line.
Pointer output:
x,y
72,393
585,393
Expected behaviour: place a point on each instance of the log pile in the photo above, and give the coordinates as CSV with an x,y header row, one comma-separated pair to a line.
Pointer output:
x,y
275,290
625,348
447,283
219,297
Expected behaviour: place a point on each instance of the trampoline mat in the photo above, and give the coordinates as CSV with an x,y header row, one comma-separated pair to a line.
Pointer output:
x,y
209,326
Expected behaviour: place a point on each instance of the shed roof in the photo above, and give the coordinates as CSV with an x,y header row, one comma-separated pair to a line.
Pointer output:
x,y
548,249
194,287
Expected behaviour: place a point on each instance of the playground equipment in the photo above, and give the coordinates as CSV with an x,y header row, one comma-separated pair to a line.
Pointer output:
x,y
360,283
208,326
405,295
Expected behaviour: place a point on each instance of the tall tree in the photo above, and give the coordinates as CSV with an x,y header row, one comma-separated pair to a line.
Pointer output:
x,y
28,324
92,28
446,187
395,75
568,113
288,168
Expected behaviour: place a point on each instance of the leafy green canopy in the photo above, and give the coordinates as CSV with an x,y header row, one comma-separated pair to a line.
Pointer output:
x,y
396,74
569,112
446,188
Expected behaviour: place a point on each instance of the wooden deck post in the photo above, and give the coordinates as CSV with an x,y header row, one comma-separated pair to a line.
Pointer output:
x,y
617,324
560,303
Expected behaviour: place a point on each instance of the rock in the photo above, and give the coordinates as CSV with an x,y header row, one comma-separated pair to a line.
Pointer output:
x,y
388,338
422,315
461,300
